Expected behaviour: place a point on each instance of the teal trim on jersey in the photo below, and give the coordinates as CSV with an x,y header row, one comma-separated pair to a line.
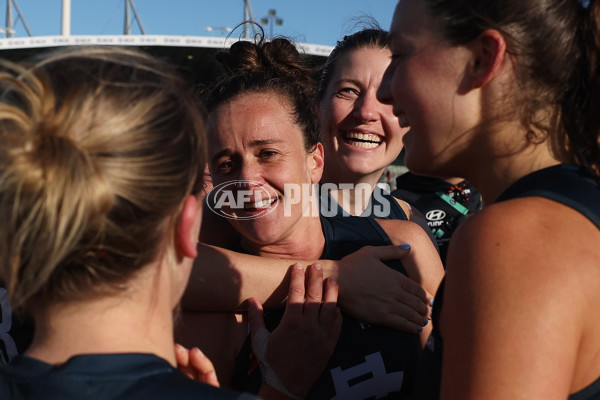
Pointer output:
x,y
457,206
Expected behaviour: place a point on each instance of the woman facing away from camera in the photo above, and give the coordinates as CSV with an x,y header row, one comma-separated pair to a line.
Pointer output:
x,y
506,94
263,133
102,152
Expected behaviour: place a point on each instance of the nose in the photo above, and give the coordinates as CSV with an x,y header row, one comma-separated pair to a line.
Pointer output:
x,y
384,94
249,171
366,108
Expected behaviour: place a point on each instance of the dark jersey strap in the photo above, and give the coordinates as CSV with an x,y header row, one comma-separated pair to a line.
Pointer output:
x,y
570,185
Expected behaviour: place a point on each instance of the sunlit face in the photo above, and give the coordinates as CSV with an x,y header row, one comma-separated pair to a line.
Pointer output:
x,y
254,138
362,135
424,82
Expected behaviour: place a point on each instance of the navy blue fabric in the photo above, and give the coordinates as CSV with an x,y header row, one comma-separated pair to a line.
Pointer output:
x,y
368,361
16,331
104,376
382,205
570,185
379,194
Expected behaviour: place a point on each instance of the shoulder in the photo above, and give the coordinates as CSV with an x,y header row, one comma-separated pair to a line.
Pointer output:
x,y
401,231
527,226
520,276
408,210
415,216
525,251
423,264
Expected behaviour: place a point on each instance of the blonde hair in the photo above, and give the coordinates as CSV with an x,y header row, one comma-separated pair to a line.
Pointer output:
x,y
99,146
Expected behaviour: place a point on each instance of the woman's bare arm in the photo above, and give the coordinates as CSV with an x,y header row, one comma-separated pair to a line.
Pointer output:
x,y
418,218
222,280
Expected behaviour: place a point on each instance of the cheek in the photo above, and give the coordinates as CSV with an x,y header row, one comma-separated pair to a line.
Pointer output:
x,y
334,114
391,126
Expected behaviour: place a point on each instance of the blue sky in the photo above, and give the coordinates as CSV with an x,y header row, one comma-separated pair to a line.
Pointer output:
x,y
311,21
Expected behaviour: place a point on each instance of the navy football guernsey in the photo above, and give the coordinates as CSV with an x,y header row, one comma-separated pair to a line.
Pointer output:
x,y
382,205
368,361
567,184
16,331
104,376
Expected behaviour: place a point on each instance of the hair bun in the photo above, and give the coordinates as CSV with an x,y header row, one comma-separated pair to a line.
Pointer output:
x,y
278,58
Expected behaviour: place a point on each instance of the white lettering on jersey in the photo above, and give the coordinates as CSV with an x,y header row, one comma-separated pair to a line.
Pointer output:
x,y
5,325
379,385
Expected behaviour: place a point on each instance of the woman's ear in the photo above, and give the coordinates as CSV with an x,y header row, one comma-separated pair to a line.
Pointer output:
x,y
489,51
188,228
316,162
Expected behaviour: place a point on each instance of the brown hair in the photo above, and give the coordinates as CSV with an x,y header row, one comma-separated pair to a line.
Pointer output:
x,y
556,45
277,66
368,37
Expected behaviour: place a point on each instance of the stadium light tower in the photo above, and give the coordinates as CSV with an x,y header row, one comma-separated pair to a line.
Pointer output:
x,y
248,17
9,31
127,30
66,18
271,19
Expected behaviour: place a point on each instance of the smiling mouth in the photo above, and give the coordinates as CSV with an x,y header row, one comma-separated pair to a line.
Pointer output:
x,y
266,203
363,140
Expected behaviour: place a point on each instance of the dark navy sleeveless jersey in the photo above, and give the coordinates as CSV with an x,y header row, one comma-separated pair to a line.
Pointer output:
x,y
382,205
369,361
570,185
16,331
104,376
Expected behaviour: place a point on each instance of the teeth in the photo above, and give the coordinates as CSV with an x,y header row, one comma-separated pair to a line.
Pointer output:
x,y
365,145
260,203
364,136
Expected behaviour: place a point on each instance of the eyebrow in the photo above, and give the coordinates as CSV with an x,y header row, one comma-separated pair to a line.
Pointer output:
x,y
346,81
263,142
220,154
254,143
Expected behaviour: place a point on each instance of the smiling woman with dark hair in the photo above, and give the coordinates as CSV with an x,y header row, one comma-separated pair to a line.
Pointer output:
x,y
263,132
101,153
506,93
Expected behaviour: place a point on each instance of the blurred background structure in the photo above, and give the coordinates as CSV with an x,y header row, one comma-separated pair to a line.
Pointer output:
x,y
193,54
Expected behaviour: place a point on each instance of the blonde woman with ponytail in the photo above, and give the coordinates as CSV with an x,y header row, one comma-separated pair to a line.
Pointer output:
x,y
101,158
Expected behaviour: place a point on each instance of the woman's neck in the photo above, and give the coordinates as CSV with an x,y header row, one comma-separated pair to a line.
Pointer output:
x,y
305,241
493,178
139,321
353,191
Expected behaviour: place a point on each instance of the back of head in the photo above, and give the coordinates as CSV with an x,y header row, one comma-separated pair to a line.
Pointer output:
x,y
269,66
555,44
98,149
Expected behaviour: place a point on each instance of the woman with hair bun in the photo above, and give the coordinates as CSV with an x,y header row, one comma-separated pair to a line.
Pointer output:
x,y
347,107
264,134
101,153
506,93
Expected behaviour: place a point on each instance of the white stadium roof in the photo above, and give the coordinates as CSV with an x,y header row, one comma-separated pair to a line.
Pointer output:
x,y
140,40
